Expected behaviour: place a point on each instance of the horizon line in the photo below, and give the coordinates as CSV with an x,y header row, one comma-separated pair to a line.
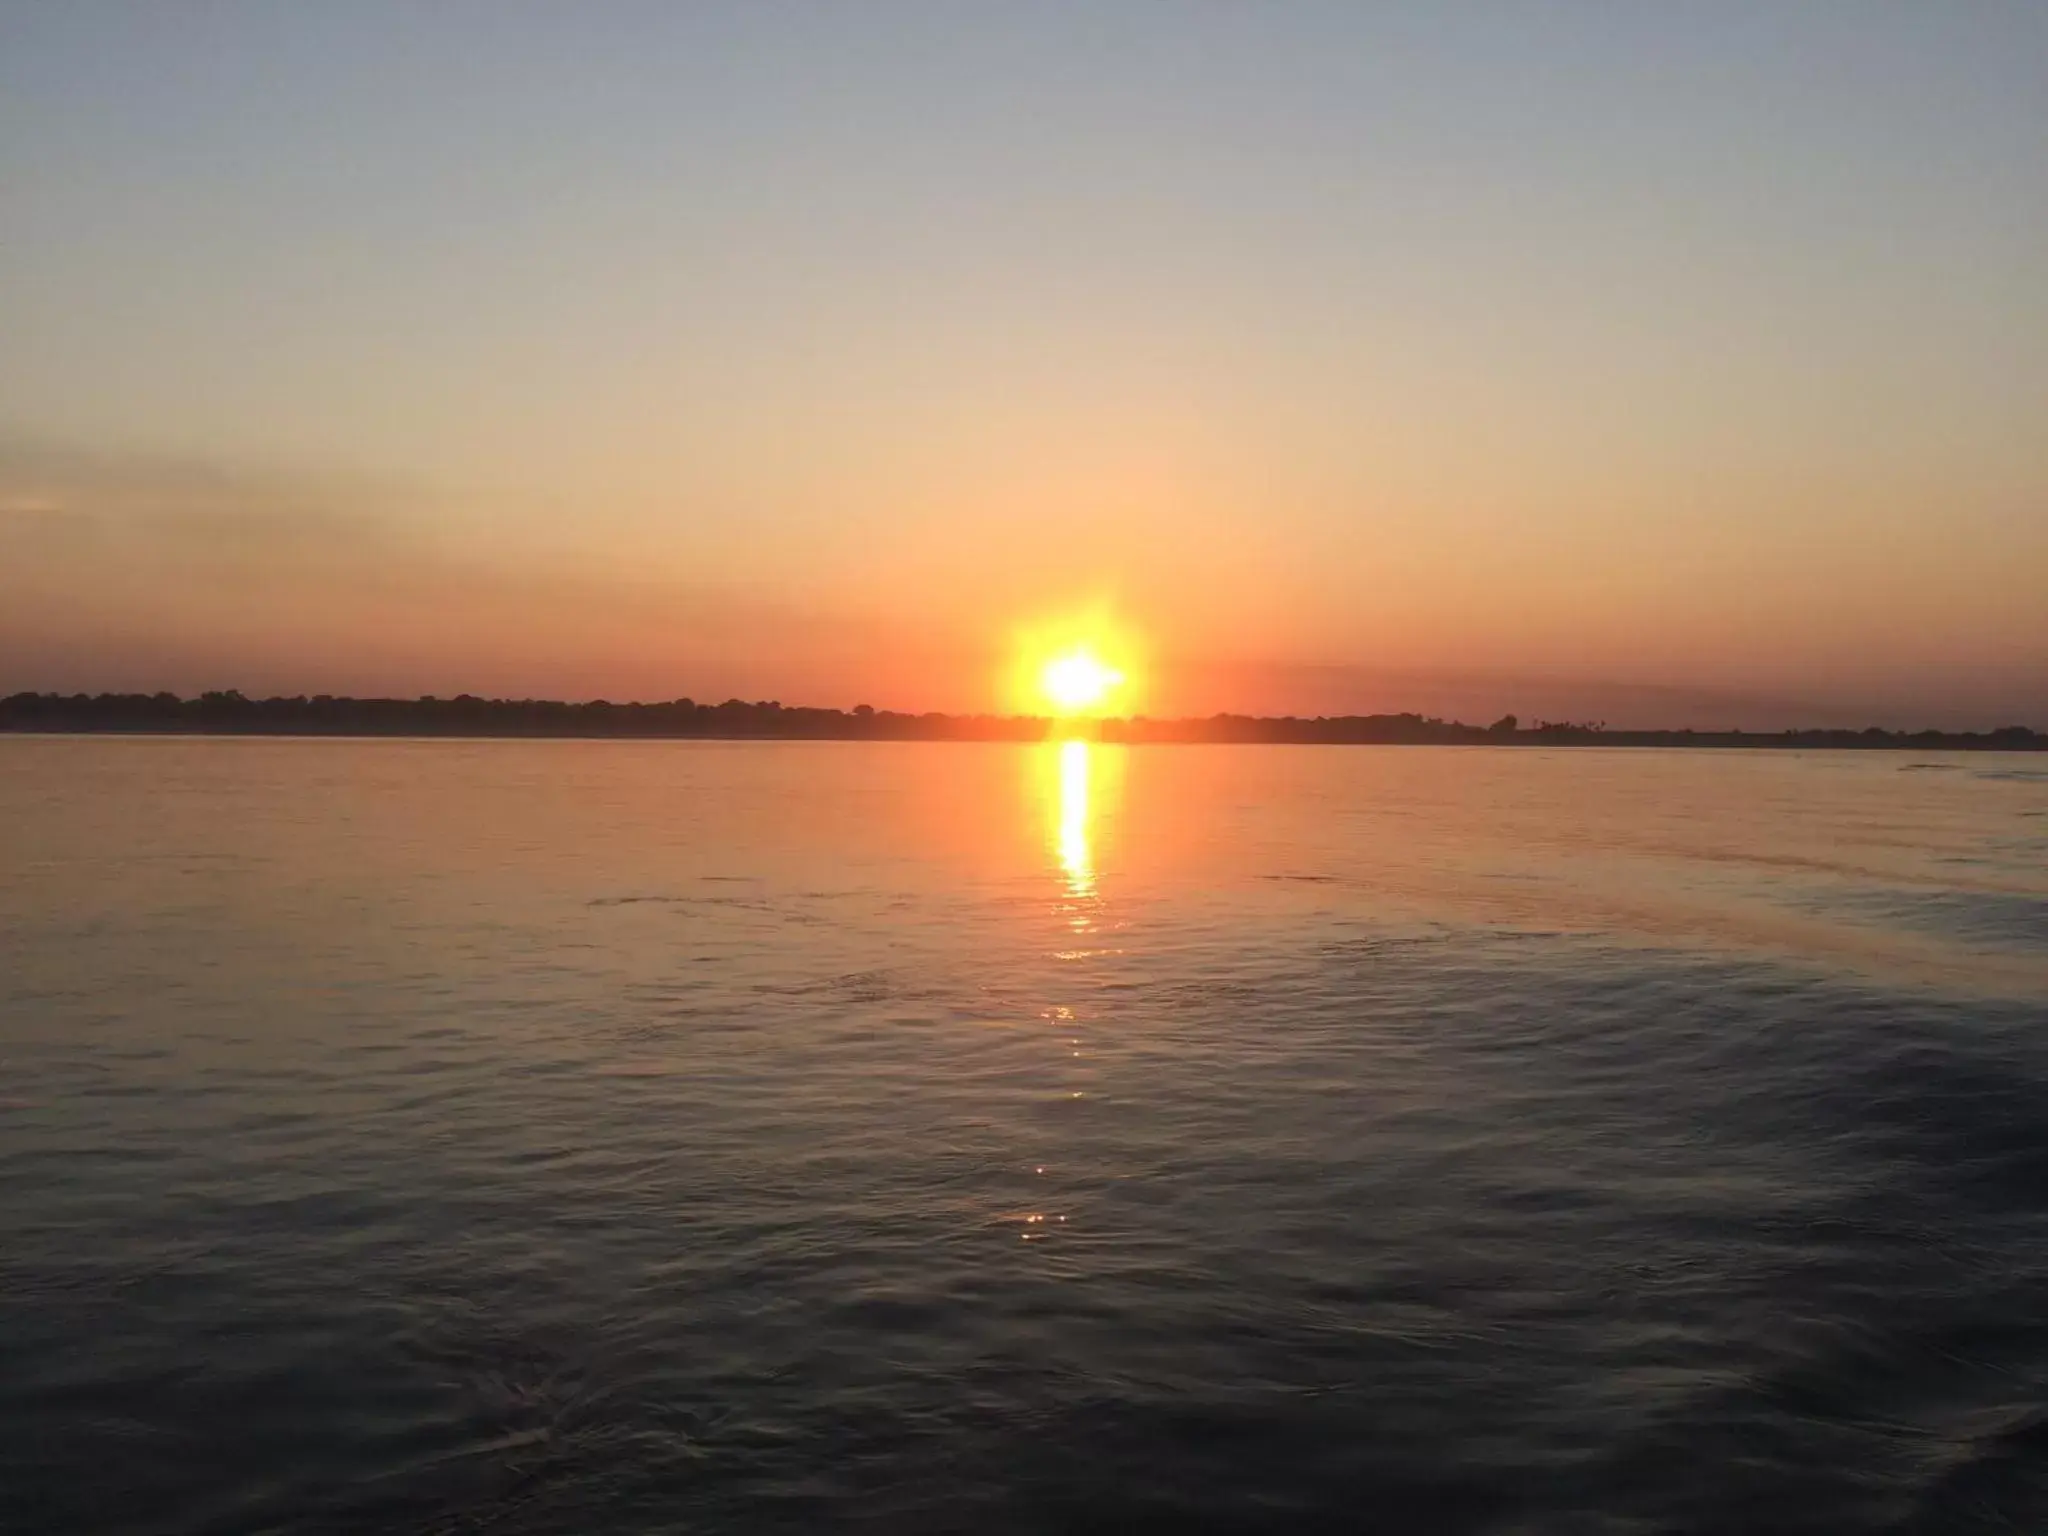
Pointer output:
x,y
230,712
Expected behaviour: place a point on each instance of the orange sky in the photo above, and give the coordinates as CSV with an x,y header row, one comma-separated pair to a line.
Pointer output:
x,y
1656,368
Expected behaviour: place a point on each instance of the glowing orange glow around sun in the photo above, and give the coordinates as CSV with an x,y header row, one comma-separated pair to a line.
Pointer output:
x,y
1082,668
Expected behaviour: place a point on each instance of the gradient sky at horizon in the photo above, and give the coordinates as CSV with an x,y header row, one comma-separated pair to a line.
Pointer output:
x,y
1562,354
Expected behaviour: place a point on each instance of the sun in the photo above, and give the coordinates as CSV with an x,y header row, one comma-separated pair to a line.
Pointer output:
x,y
1077,681
1081,666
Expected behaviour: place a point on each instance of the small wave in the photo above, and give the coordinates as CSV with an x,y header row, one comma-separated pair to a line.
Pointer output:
x,y
730,903
2000,919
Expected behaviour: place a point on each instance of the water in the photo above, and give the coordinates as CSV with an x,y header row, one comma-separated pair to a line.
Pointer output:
x,y
577,1136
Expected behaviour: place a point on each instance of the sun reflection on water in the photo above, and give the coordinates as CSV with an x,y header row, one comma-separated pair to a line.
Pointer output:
x,y
1071,836
1078,783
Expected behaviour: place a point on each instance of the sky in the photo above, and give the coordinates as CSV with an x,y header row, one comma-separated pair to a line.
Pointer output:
x,y
1665,364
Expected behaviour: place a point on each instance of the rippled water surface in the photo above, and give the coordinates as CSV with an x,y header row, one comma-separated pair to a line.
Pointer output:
x,y
580,1136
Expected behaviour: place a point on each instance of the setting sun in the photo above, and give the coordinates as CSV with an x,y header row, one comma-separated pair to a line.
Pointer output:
x,y
1078,681
1086,664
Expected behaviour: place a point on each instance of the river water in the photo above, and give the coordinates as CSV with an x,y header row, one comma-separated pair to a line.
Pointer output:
x,y
598,1136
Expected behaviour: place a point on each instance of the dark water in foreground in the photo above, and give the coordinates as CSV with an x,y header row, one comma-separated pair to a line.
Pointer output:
x,y
597,1136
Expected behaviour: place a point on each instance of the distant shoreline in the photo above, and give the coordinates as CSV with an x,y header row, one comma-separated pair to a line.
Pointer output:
x,y
466,716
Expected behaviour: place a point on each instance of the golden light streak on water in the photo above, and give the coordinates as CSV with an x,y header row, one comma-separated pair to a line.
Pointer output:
x,y
1073,829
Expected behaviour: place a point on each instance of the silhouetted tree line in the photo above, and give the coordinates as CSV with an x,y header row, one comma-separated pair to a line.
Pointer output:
x,y
230,713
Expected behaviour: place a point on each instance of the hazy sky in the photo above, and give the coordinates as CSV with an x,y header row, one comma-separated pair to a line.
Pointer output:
x,y
1356,355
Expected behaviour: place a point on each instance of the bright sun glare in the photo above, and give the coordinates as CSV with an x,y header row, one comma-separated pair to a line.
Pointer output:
x,y
1078,681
